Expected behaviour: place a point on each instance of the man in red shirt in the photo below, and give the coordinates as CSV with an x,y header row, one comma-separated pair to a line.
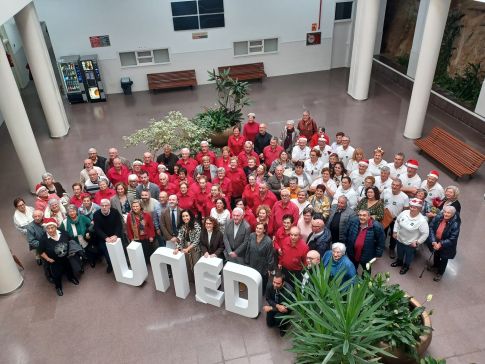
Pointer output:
x,y
264,197
78,195
238,179
293,255
307,126
204,151
272,152
188,163
118,173
282,208
165,185
150,166
246,153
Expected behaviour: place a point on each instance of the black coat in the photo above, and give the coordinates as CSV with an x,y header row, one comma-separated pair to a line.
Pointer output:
x,y
449,239
373,243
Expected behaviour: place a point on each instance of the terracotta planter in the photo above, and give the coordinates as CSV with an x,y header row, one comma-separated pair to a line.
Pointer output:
x,y
424,340
220,139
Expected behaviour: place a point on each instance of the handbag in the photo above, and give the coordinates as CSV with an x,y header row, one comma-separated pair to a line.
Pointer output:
x,y
388,218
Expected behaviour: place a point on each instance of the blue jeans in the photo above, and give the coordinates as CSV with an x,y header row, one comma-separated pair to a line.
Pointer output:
x,y
405,253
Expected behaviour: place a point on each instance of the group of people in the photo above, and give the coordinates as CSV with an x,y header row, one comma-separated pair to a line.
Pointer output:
x,y
272,203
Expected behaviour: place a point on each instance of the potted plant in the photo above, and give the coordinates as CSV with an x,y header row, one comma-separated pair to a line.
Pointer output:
x,y
347,322
174,129
232,96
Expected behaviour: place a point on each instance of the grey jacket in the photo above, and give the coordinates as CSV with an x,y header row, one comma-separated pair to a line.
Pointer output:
x,y
275,185
35,233
152,187
344,219
236,244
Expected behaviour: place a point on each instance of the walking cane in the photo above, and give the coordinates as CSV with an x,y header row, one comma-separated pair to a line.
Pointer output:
x,y
427,264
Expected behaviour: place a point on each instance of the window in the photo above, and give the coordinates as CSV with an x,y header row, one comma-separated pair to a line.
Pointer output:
x,y
146,57
269,45
343,10
198,14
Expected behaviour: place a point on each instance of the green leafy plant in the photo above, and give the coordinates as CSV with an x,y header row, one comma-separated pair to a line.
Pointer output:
x,y
333,322
232,97
431,360
174,129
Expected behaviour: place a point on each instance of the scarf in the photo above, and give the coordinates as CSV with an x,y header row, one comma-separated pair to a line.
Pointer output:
x,y
289,137
138,229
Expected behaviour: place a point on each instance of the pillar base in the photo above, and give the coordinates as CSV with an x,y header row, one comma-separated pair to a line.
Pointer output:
x,y
15,290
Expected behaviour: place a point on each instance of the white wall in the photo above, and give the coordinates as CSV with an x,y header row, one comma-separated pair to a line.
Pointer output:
x,y
147,24
18,53
8,8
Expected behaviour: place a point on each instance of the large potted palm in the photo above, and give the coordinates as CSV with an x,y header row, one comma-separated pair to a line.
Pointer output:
x,y
339,322
232,97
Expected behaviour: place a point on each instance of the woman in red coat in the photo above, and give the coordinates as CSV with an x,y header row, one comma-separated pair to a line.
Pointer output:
x,y
236,141
185,198
139,227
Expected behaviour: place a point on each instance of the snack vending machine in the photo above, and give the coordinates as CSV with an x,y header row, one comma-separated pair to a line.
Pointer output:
x,y
92,78
72,79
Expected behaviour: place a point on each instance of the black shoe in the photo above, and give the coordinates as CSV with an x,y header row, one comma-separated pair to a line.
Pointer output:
x,y
397,263
92,264
109,269
74,281
392,255
59,292
404,269
437,278
38,261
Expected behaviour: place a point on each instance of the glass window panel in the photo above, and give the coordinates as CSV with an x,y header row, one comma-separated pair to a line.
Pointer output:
x,y
128,59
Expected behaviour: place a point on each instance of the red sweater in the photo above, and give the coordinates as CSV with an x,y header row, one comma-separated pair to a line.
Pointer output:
x,y
269,199
250,130
107,193
236,145
238,181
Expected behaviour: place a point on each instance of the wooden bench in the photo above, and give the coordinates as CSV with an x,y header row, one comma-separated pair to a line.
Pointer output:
x,y
243,72
167,80
458,157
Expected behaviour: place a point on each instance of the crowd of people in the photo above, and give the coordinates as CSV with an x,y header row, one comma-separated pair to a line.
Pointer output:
x,y
276,204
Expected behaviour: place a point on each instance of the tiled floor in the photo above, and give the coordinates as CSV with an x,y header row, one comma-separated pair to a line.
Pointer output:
x,y
101,321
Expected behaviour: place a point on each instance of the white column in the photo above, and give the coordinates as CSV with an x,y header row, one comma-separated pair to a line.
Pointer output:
x,y
380,26
18,124
418,38
480,107
10,277
363,48
430,48
41,67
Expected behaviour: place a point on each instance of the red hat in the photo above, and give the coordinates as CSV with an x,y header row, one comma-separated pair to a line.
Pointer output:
x,y
412,163
364,162
416,202
434,174
49,221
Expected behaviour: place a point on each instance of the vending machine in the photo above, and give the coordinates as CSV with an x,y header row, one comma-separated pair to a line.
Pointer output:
x,y
92,78
72,79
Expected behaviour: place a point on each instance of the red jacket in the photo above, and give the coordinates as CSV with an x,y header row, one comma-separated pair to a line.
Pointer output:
x,y
149,230
238,181
236,145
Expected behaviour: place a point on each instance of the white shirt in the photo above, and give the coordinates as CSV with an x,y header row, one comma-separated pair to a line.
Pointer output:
x,y
84,176
21,220
358,179
345,154
313,171
411,229
334,147
397,172
352,166
298,154
383,185
330,185
395,203
410,182
350,194
221,218
375,169
301,206
436,191
325,154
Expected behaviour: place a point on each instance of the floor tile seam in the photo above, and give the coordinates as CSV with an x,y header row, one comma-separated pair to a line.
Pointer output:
x,y
468,353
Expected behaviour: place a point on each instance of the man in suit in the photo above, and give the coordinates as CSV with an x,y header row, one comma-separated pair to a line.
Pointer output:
x,y
278,181
146,185
169,221
236,235
320,239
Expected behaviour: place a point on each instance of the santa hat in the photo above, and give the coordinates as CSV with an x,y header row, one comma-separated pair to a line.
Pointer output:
x,y
434,174
416,202
412,163
49,221
364,162
40,189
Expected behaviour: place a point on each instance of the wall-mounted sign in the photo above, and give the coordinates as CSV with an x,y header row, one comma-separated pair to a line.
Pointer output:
x,y
313,38
99,41
200,35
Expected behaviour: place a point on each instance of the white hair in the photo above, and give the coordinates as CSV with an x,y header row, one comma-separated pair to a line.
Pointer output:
x,y
451,209
339,246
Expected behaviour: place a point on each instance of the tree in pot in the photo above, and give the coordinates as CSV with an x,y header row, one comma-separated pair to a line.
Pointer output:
x,y
232,96
340,322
